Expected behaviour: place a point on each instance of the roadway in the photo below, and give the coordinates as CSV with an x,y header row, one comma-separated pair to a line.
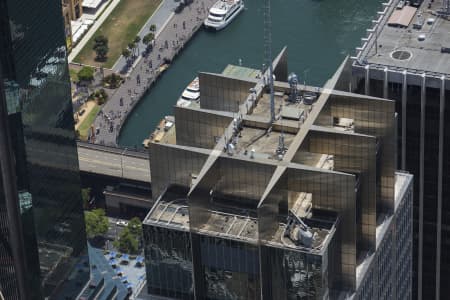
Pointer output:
x,y
115,162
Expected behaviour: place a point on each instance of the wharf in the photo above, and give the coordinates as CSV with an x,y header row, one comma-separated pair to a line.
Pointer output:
x,y
168,42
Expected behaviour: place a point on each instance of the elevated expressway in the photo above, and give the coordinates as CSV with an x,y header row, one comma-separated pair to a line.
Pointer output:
x,y
115,162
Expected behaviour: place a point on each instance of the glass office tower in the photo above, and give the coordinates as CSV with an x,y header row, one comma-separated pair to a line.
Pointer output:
x,y
400,66
308,206
43,250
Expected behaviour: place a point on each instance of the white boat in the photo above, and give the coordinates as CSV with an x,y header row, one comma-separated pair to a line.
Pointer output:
x,y
190,93
222,13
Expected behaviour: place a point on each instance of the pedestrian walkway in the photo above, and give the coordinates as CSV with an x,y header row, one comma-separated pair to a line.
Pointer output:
x,y
160,17
170,40
92,30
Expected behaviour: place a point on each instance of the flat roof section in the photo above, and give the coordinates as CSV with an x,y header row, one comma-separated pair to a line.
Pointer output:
x,y
265,144
241,72
402,17
92,3
171,210
420,42
233,226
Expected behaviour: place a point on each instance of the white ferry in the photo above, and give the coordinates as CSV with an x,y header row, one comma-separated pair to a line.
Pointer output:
x,y
190,93
223,12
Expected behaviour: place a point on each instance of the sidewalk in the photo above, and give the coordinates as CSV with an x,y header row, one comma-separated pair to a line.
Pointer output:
x,y
92,30
160,17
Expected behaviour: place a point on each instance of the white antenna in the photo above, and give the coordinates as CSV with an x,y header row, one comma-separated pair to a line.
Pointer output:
x,y
268,54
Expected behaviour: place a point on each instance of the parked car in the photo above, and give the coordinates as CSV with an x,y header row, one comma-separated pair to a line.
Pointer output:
x,y
122,223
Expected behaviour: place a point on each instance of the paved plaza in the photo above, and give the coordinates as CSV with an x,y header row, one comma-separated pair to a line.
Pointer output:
x,y
168,42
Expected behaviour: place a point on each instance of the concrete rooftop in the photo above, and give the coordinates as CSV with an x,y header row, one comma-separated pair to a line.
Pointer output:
x,y
423,55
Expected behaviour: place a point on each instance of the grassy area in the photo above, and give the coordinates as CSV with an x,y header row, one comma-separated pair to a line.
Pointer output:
x,y
120,27
86,124
73,75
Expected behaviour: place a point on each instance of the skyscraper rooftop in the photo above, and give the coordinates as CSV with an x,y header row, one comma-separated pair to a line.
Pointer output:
x,y
421,42
316,187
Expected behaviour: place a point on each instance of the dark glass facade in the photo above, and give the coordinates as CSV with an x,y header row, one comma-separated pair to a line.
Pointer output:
x,y
294,274
421,107
37,106
227,269
168,255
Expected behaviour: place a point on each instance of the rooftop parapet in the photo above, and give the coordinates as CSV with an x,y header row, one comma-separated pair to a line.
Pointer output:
x,y
253,176
421,43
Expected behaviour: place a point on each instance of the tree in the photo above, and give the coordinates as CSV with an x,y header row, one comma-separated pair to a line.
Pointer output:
x,y
113,80
135,227
86,74
101,47
148,41
127,242
136,41
132,46
148,38
126,53
153,28
96,223
102,53
101,40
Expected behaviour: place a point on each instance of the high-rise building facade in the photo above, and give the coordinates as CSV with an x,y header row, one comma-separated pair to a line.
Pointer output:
x,y
306,207
43,252
406,58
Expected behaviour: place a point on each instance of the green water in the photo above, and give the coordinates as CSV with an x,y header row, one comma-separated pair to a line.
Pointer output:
x,y
318,34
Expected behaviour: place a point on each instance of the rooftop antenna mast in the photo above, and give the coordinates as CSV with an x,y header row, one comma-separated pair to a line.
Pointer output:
x,y
268,54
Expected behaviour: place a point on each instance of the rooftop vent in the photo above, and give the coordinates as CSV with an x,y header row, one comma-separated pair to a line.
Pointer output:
x,y
401,55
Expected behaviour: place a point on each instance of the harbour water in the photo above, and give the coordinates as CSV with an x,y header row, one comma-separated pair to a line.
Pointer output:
x,y
318,34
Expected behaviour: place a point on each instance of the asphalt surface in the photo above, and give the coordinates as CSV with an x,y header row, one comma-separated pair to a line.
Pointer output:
x,y
169,41
120,165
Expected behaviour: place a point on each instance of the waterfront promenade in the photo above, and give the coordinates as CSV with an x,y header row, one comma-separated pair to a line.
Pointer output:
x,y
168,42
159,18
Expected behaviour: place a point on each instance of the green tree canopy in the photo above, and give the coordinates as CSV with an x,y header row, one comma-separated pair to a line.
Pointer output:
x,y
101,47
126,53
148,38
86,74
137,39
102,52
135,227
153,27
96,223
127,242
100,40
